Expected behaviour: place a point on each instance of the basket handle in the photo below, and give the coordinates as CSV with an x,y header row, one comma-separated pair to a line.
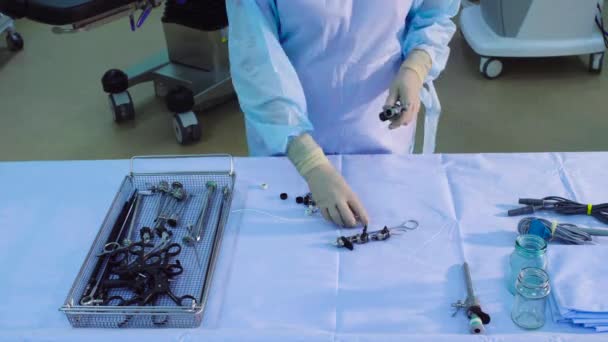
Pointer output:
x,y
185,156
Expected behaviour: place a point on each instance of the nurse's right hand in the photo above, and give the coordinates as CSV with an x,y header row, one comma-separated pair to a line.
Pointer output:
x,y
335,199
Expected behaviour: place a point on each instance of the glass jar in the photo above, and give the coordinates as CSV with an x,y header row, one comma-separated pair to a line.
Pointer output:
x,y
530,251
532,288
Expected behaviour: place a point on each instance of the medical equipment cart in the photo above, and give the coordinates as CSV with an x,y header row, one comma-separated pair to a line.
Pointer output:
x,y
193,72
497,29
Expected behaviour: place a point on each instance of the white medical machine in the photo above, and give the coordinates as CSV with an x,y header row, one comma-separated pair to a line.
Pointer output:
x,y
498,29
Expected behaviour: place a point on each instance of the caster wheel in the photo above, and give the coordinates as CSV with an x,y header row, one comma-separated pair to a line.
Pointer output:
x,y
596,63
186,127
115,81
491,68
180,100
122,107
14,41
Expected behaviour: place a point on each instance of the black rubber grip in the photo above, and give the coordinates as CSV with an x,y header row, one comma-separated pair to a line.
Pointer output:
x,y
531,201
349,245
521,211
485,318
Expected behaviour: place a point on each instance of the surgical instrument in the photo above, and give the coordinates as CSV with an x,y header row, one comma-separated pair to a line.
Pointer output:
x,y
163,188
171,203
142,259
146,234
385,233
133,219
174,206
565,232
96,275
562,206
406,225
194,231
393,112
477,318
173,219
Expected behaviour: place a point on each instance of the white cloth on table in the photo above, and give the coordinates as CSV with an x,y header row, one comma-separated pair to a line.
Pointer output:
x,y
281,280
579,275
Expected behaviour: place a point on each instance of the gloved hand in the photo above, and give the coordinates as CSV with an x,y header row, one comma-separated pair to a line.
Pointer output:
x,y
336,201
406,87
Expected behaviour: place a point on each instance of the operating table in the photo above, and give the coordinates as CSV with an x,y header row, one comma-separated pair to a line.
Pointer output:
x,y
192,73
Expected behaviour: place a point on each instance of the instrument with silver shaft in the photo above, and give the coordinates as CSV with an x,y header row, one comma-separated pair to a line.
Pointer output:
x,y
477,318
194,231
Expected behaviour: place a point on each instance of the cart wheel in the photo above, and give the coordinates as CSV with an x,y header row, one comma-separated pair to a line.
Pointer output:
x,y
596,63
122,107
491,68
14,41
186,127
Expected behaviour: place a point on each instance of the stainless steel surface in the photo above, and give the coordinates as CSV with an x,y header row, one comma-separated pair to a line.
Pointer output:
x,y
205,50
224,203
194,231
106,17
175,197
6,23
470,304
198,262
98,20
209,88
471,298
195,59
134,216
175,216
145,71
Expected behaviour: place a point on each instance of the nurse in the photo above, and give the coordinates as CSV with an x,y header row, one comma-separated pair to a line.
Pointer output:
x,y
312,76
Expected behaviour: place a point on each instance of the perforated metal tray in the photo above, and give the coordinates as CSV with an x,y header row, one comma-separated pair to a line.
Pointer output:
x,y
198,261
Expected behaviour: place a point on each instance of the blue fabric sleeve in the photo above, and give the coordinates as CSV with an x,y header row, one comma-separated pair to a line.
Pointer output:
x,y
429,27
266,83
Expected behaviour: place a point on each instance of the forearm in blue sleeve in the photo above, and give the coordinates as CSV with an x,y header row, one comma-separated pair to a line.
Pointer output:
x,y
266,83
429,27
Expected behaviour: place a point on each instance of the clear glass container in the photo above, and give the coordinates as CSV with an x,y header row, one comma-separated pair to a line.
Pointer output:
x,y
530,251
531,299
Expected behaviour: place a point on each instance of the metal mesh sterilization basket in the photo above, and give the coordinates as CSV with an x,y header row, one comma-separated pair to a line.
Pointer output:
x,y
198,261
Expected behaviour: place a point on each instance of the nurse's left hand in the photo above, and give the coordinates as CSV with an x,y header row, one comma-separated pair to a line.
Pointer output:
x,y
406,88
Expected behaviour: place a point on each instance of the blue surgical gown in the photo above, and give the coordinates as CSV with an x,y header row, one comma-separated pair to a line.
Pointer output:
x,y
324,67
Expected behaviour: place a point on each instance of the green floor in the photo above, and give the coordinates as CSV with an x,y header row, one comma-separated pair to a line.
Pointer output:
x,y
52,105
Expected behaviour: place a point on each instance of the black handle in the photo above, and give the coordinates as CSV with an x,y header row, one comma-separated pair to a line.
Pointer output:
x,y
521,211
485,318
531,201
